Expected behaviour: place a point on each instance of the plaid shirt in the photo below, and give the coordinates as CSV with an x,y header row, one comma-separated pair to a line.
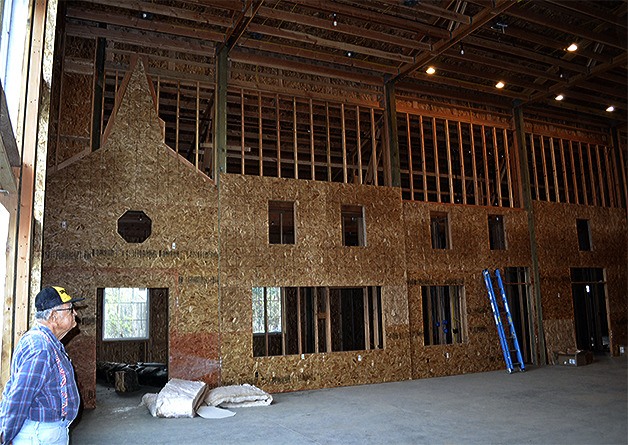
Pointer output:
x,y
36,389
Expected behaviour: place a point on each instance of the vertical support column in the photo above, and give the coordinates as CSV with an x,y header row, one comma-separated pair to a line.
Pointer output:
x,y
220,118
527,202
99,88
390,107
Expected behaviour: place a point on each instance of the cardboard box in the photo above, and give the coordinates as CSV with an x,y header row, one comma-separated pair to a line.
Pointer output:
x,y
576,358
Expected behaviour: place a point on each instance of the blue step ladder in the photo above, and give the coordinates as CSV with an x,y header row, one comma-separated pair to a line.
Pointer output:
x,y
509,342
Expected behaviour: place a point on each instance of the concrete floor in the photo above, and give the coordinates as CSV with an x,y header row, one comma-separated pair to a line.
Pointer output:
x,y
547,405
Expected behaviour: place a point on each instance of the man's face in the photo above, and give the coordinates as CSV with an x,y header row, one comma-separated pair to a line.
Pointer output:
x,y
65,318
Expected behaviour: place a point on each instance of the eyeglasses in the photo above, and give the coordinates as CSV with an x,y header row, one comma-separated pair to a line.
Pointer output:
x,y
71,308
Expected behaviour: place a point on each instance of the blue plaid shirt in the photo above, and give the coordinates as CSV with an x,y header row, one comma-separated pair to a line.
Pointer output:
x,y
34,390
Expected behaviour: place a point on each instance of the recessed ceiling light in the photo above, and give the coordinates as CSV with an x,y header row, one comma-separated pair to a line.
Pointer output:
x,y
349,54
573,47
559,97
610,109
430,70
500,84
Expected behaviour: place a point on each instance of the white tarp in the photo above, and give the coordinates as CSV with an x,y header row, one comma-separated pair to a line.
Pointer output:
x,y
238,396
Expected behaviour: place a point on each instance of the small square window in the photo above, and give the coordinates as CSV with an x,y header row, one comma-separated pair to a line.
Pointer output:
x,y
496,232
439,225
125,313
353,230
584,234
280,222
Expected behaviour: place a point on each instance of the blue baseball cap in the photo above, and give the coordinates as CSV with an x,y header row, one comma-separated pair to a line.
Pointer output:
x,y
53,296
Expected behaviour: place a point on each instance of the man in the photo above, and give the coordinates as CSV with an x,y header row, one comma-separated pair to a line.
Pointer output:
x,y
41,398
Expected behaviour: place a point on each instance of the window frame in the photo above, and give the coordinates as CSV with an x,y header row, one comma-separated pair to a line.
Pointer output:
x,y
105,318
353,211
436,219
497,232
585,243
280,209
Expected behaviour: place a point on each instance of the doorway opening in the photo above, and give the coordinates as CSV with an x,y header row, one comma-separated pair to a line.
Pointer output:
x,y
132,334
588,289
517,287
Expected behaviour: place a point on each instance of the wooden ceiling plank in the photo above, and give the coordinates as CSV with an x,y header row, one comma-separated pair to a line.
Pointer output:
x,y
351,30
479,20
586,10
543,20
375,17
335,44
435,11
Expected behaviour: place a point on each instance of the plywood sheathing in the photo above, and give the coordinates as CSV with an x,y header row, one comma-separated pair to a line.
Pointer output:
x,y
317,259
557,240
462,264
135,170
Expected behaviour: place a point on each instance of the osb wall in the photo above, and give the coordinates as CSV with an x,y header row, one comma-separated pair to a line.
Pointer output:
x,y
557,246
135,170
462,264
318,258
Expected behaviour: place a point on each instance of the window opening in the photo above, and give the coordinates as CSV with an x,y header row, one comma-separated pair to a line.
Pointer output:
x,y
444,318
496,232
353,230
517,287
309,320
134,226
439,225
280,222
584,234
588,288
125,313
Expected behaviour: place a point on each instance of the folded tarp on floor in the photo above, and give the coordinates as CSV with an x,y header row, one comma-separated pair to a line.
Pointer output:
x,y
179,398
238,396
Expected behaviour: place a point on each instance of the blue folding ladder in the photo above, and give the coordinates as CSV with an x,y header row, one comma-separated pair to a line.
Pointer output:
x,y
509,343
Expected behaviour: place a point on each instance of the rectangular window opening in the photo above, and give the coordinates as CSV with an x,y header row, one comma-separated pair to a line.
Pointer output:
x,y
353,228
309,320
281,222
439,225
496,232
125,314
584,234
444,315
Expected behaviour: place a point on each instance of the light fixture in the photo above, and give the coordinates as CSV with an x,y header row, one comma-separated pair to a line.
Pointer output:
x,y
349,54
430,70
461,50
573,47
500,85
334,19
559,97
146,15
610,109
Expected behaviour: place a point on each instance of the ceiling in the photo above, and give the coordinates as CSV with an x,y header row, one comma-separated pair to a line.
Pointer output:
x,y
471,44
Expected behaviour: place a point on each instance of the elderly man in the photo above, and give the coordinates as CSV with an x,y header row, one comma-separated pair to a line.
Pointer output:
x,y
41,398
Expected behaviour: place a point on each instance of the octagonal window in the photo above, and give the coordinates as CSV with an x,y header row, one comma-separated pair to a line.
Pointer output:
x,y
134,226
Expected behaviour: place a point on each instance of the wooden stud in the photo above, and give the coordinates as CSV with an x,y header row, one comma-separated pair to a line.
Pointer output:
x,y
295,149
242,131
486,175
609,178
410,172
312,157
365,314
534,170
328,142
423,171
554,173
327,320
176,136
562,159
613,160
592,176
374,146
623,172
498,176
474,166
582,175
359,142
462,169
259,134
574,181
598,157
344,144
158,94
198,111
507,164
546,180
436,166
278,129
299,331
450,173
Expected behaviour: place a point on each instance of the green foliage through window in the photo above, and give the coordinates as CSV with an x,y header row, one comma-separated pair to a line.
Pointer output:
x,y
125,313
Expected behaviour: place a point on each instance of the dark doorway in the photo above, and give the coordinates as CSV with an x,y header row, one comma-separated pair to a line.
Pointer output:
x,y
517,287
588,288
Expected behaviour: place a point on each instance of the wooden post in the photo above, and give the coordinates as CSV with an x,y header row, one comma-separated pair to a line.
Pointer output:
x,y
328,142
562,159
474,166
295,138
410,172
463,174
574,182
393,141
278,131
545,178
436,165
498,177
582,175
554,173
99,89
242,131
259,133
507,164
359,142
344,144
423,169
312,157
220,118
374,146
449,164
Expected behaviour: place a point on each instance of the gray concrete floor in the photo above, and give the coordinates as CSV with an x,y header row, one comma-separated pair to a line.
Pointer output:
x,y
546,405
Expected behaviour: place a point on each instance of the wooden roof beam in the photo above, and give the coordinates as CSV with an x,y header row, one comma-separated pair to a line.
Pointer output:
x,y
588,11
